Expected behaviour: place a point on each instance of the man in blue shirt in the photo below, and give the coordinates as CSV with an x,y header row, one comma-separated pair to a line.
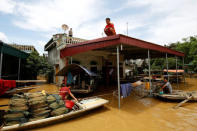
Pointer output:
x,y
167,87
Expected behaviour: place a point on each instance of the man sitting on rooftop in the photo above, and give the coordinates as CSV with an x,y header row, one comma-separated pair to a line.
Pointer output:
x,y
109,28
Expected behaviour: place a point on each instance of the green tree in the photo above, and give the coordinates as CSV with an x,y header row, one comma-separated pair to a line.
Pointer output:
x,y
46,69
188,46
33,63
36,65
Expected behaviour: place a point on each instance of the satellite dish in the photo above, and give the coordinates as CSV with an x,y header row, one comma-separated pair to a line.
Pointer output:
x,y
65,27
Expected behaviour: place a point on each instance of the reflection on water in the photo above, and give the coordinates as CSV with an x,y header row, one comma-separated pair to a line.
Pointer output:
x,y
135,114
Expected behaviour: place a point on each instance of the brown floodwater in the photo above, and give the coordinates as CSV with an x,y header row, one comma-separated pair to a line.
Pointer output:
x,y
135,114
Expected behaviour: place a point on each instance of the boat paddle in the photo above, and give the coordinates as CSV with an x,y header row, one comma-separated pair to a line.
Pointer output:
x,y
181,103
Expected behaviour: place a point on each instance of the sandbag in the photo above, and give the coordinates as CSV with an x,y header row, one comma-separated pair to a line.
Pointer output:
x,y
39,109
13,115
19,108
34,95
38,100
41,98
55,105
38,106
19,96
59,111
51,99
18,101
41,113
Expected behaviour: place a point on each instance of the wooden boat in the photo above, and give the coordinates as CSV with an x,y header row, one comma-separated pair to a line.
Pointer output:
x,y
85,105
177,95
18,90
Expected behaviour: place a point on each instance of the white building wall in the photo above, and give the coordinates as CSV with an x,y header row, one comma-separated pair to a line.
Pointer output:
x,y
54,59
84,59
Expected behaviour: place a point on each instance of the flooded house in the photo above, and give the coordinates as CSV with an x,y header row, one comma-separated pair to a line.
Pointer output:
x,y
104,56
99,62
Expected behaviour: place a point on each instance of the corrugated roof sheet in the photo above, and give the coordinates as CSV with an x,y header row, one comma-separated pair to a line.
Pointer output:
x,y
73,49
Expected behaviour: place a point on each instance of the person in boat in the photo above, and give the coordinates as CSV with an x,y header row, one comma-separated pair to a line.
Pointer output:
x,y
65,93
109,28
167,87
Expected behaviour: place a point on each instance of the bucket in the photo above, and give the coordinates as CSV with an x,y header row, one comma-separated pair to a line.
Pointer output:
x,y
147,85
69,104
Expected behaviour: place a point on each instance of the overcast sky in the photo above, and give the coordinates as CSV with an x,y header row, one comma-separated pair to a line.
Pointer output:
x,y
33,22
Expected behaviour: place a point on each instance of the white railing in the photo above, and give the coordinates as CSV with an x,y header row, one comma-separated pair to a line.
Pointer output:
x,y
68,41
71,40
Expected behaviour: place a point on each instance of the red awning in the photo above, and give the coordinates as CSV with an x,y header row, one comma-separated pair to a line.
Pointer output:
x,y
138,46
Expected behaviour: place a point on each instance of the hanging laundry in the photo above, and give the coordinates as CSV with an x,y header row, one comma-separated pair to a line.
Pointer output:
x,y
126,89
69,78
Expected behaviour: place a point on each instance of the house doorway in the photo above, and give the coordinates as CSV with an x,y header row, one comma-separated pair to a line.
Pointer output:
x,y
57,68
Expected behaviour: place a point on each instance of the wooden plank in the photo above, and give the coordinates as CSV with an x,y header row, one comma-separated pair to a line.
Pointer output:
x,y
17,90
29,81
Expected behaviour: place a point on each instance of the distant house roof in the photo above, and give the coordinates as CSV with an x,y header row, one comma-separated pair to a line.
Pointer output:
x,y
25,48
132,47
6,49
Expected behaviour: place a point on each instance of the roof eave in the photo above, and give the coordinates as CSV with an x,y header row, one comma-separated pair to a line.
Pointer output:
x,y
115,40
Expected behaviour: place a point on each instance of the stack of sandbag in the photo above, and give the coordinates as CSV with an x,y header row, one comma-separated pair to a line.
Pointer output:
x,y
18,110
56,105
38,106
